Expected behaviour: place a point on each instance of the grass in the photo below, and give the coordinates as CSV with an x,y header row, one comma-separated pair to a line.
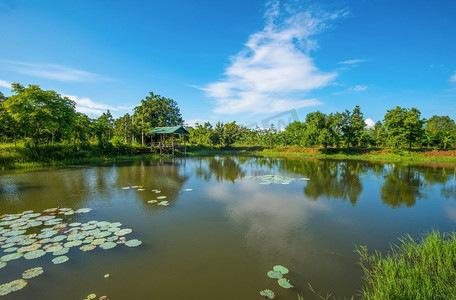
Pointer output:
x,y
24,156
414,269
418,156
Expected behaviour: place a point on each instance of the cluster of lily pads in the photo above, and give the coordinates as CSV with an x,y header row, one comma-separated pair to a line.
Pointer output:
x,y
160,199
277,272
19,284
32,235
276,179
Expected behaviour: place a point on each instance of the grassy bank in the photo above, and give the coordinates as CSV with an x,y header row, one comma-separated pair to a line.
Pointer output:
x,y
377,155
423,269
24,156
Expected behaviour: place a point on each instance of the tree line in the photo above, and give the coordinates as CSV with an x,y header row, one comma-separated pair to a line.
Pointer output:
x,y
45,117
400,128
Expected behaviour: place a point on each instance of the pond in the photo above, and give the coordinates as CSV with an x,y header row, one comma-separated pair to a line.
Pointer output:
x,y
226,226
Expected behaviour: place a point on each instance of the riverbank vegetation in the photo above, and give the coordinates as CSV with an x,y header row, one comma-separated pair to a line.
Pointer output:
x,y
44,127
414,269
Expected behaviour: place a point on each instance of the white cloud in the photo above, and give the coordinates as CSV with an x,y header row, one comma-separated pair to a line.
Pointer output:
x,y
358,88
369,122
274,70
52,71
192,122
5,84
351,61
88,106
453,77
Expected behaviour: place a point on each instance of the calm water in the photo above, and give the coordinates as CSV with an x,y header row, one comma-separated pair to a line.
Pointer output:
x,y
219,240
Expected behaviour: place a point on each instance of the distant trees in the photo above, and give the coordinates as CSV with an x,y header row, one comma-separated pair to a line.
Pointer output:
x,y
44,116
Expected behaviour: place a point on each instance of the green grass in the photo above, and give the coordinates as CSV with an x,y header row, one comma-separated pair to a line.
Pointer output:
x,y
414,269
24,156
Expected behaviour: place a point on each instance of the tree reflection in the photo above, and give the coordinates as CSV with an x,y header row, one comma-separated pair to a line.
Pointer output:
x,y
401,187
329,178
220,168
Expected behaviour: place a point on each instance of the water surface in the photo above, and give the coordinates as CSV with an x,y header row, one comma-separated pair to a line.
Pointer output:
x,y
219,240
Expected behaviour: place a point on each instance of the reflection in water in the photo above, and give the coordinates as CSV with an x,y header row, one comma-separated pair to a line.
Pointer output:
x,y
402,187
221,168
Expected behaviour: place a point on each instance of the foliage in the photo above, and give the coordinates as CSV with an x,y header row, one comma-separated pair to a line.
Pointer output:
x,y
414,269
440,131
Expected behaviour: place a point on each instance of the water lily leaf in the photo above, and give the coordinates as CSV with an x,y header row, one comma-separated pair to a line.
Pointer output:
x,y
126,188
12,286
133,243
83,210
11,256
34,254
267,294
11,249
281,269
162,197
152,201
98,242
106,275
91,296
60,259
61,252
89,247
74,243
2,264
123,231
163,203
75,224
283,282
108,245
30,273
141,190
44,218
188,190
274,274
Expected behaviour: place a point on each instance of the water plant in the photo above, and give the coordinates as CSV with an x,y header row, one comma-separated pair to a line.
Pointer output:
x,y
267,293
423,268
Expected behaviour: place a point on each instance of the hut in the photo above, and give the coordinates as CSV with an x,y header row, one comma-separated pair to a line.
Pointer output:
x,y
173,131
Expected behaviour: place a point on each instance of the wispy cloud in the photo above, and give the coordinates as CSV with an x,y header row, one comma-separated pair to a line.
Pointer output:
x,y
90,107
358,88
5,84
453,77
351,61
193,122
275,69
52,71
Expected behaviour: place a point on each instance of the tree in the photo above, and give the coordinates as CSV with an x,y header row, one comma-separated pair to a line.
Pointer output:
x,y
440,131
352,126
403,126
36,111
156,111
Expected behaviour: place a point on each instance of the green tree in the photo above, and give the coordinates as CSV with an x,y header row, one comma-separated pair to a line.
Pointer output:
x,y
353,126
37,111
440,131
403,126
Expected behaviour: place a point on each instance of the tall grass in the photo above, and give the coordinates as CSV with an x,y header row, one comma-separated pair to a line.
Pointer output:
x,y
414,269
25,155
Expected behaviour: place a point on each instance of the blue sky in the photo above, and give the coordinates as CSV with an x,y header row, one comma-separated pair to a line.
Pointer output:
x,y
235,60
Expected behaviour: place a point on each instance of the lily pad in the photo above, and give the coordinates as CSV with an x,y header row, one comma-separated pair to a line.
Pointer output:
x,y
89,247
188,190
11,256
161,197
34,254
133,243
83,210
274,274
285,283
60,259
12,286
91,296
72,243
61,252
126,188
108,245
123,231
98,242
267,294
163,203
152,201
281,269
30,273
2,264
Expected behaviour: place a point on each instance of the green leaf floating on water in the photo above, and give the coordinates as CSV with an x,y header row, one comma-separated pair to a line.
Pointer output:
x,y
274,274
281,269
267,293
133,243
30,273
60,259
283,282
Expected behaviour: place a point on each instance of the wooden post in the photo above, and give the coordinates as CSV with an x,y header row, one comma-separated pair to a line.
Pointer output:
x,y
172,143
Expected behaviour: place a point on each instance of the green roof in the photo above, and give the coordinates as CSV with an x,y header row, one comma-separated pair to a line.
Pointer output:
x,y
170,130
